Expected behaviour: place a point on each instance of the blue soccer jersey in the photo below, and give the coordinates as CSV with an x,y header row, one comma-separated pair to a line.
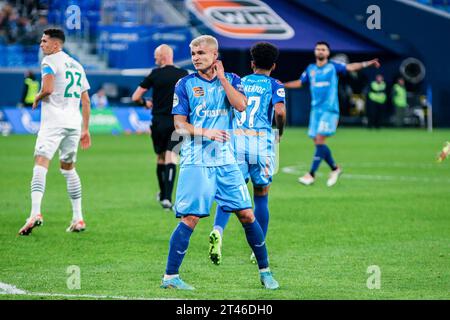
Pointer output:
x,y
206,105
323,83
262,92
254,139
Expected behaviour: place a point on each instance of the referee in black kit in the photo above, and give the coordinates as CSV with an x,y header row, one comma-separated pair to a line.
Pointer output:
x,y
162,80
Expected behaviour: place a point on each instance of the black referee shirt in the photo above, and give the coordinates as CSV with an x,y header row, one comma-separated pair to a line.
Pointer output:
x,y
162,81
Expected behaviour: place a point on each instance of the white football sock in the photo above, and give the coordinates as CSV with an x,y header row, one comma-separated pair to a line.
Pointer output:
x,y
74,191
37,189
264,270
170,276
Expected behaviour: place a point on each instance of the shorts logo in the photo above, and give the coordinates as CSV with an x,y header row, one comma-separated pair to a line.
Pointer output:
x,y
175,100
198,91
244,19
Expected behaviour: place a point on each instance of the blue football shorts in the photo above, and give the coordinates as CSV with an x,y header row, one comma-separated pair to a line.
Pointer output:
x,y
199,186
322,123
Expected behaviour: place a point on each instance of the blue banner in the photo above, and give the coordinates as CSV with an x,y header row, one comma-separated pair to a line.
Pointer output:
x,y
23,120
238,24
115,120
133,47
134,120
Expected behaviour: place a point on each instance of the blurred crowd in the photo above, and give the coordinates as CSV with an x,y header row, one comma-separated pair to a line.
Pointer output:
x,y
22,21
380,102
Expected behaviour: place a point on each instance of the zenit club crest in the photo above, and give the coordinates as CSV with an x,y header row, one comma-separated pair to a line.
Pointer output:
x,y
245,19
198,91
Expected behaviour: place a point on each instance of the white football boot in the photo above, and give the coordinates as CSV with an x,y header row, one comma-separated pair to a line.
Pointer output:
x,y
307,179
76,226
334,176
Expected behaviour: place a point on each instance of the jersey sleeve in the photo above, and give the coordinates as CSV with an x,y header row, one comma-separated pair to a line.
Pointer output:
x,y
85,83
236,83
180,99
341,68
147,83
48,66
304,78
278,93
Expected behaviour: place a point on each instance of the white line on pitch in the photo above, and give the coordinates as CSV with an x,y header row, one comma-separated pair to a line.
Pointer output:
x,y
7,289
296,170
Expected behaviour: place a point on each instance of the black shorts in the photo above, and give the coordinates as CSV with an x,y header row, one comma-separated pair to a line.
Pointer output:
x,y
163,136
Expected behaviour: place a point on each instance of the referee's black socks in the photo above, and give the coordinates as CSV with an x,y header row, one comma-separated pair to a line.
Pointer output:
x,y
169,180
161,173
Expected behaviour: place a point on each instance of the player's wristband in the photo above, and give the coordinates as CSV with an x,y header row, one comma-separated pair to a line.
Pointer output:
x,y
365,64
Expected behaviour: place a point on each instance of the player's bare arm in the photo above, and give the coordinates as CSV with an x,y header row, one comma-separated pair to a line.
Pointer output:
x,y
280,117
293,84
182,126
48,82
237,99
356,66
137,97
86,112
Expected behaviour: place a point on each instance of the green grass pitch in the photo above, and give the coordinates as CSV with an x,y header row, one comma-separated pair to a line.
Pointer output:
x,y
391,208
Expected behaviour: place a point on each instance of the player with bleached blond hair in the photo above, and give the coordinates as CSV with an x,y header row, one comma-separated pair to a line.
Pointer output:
x,y
203,108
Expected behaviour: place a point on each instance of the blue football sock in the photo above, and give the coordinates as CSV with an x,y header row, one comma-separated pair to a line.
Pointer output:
x,y
221,219
318,156
178,245
329,158
255,238
262,212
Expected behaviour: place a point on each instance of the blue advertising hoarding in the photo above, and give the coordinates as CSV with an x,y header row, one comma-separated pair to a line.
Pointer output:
x,y
133,47
112,120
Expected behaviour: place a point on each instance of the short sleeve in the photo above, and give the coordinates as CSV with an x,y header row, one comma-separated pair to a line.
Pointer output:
x,y
47,66
278,93
341,68
85,83
147,83
180,99
304,78
236,83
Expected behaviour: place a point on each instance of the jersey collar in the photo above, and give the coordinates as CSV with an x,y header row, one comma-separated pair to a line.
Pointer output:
x,y
206,80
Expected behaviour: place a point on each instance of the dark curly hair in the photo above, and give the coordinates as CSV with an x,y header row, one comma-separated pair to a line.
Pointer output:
x,y
264,55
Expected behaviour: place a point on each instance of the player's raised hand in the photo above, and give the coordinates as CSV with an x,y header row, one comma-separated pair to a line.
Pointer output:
x,y
85,139
220,71
374,63
216,135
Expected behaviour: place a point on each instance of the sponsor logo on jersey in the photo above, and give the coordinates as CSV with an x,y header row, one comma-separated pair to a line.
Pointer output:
x,y
321,84
198,91
201,111
280,92
244,19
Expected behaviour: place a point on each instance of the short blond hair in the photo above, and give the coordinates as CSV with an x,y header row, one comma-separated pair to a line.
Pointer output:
x,y
206,39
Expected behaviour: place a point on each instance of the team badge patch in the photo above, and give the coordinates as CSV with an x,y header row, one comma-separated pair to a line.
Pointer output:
x,y
175,100
198,91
